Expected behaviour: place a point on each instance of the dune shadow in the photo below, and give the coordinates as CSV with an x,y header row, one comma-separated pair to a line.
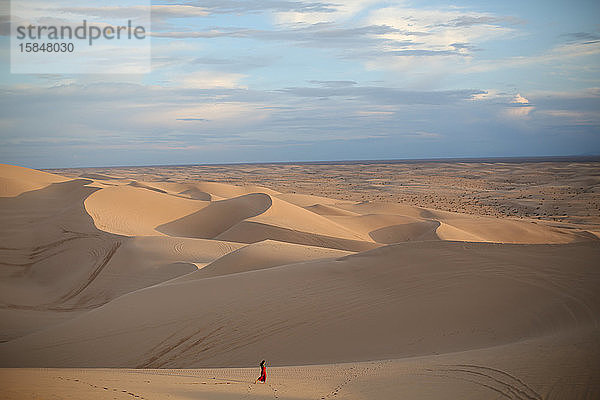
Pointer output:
x,y
414,231
218,217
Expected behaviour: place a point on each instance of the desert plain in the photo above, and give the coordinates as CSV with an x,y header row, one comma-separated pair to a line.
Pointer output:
x,y
456,279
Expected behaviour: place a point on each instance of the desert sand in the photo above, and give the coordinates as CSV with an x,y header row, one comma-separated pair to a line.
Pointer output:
x,y
354,281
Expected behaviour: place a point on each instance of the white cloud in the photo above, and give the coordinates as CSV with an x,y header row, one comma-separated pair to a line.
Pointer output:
x,y
158,11
487,95
205,79
431,43
377,114
178,11
518,99
560,54
341,12
438,29
208,115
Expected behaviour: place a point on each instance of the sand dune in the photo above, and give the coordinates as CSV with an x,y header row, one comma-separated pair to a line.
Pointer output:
x,y
226,191
128,210
108,271
190,191
290,216
16,180
261,255
219,216
252,232
474,296
145,261
387,229
99,177
486,229
256,217
329,210
531,369
463,227
307,200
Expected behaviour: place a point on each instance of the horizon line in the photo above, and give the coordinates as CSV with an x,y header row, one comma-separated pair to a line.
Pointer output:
x,y
495,159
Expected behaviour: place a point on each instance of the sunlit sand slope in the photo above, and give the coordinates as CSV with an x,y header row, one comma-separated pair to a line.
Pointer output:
x,y
16,180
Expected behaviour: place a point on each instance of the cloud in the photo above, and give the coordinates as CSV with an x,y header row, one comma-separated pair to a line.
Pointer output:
x,y
333,84
428,43
158,11
253,6
317,35
187,124
512,107
379,113
518,99
469,20
339,12
560,54
399,38
581,37
440,29
421,53
384,95
207,79
298,79
189,119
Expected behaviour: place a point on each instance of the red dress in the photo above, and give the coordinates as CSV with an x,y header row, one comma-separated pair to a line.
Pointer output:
x,y
263,374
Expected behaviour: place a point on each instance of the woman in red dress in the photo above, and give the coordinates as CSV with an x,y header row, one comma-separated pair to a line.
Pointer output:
x,y
263,372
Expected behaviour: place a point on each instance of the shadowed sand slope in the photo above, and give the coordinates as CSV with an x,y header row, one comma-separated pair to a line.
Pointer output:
x,y
218,216
365,306
261,255
253,232
50,244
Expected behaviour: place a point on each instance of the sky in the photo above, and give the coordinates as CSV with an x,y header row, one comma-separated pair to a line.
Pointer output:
x,y
283,80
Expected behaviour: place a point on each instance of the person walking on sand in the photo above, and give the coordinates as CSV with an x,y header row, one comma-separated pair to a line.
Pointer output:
x,y
263,372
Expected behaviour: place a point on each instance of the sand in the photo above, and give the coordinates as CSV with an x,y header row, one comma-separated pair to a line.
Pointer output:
x,y
142,283
545,189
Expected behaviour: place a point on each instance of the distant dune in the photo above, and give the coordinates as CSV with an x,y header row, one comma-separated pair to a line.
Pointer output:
x,y
105,271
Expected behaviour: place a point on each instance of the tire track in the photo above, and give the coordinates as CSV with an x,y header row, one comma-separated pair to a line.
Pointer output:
x,y
502,382
530,391
56,305
107,257
179,347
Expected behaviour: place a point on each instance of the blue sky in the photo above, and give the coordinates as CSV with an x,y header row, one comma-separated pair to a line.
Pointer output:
x,y
285,80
